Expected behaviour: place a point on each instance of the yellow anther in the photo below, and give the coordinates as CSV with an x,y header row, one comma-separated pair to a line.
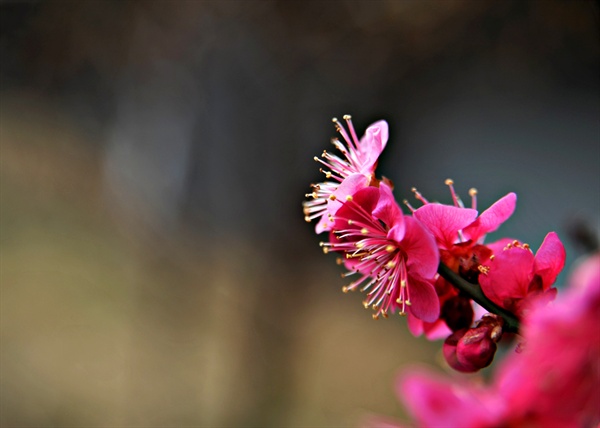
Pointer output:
x,y
483,269
402,313
364,231
366,304
347,117
307,219
339,261
472,191
375,317
390,264
332,197
492,257
350,222
403,283
384,314
349,198
344,289
325,250
449,182
390,248
408,303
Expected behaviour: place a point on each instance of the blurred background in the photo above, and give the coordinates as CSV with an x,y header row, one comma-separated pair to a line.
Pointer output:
x,y
156,269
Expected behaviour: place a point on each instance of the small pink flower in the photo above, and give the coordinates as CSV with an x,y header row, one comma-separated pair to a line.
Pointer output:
x,y
393,255
358,157
513,277
459,231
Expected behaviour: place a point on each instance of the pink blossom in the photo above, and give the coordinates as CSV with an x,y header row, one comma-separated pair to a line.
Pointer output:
x,y
459,231
393,255
513,277
358,157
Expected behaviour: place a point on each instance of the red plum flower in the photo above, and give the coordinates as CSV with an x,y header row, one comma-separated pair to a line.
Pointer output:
x,y
513,276
459,231
358,157
393,255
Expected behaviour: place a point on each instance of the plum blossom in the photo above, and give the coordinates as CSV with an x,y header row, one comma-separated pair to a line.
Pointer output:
x,y
393,255
459,233
358,158
513,276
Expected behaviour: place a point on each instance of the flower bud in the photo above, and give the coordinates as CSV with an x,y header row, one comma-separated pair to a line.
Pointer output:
x,y
469,350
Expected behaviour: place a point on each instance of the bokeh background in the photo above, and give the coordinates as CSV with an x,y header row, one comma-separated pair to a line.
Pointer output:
x,y
156,269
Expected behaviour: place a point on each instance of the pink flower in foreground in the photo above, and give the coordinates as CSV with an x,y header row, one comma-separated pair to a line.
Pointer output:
x,y
553,382
513,276
393,255
358,157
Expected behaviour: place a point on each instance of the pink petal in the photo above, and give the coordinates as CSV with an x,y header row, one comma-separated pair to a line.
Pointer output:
x,y
432,330
509,276
492,218
549,259
389,212
444,221
351,184
425,302
420,248
437,402
374,140
499,245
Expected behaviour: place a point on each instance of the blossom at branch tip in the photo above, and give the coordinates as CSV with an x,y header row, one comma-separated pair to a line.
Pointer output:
x,y
393,255
358,157
513,277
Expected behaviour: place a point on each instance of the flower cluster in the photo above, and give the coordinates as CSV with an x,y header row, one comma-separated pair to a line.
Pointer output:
x,y
553,382
395,258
